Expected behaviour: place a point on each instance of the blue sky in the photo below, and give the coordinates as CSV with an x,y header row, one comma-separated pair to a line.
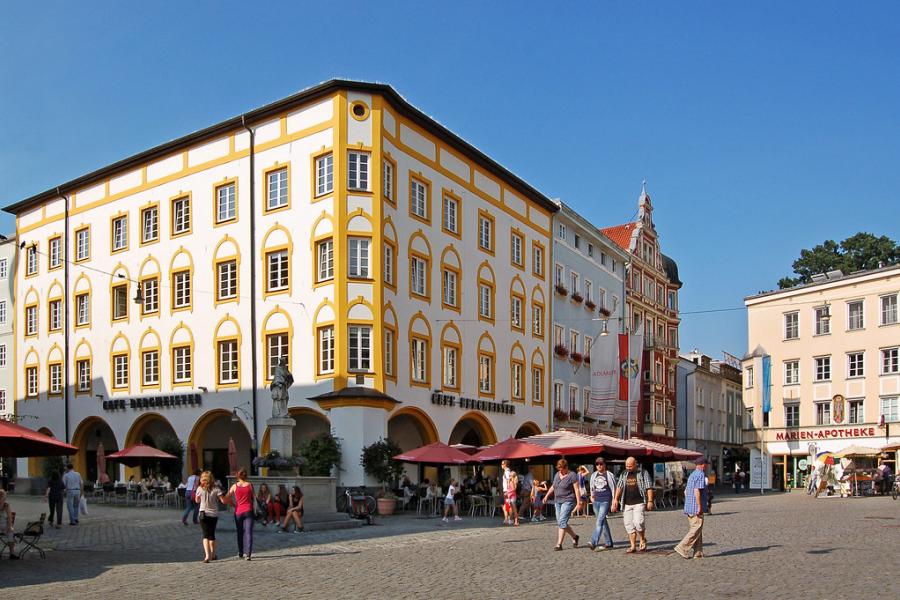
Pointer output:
x,y
760,129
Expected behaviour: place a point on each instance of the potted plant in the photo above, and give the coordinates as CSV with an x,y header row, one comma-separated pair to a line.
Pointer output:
x,y
320,455
574,415
589,419
560,415
377,461
576,357
590,305
605,312
277,464
560,350
561,289
577,298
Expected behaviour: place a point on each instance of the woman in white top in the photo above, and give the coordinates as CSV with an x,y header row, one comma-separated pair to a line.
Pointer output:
x,y
207,497
450,501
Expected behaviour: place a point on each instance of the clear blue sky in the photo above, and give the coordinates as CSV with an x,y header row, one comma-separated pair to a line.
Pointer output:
x,y
761,128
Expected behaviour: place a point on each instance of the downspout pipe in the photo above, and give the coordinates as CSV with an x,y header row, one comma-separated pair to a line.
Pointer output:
x,y
66,365
253,348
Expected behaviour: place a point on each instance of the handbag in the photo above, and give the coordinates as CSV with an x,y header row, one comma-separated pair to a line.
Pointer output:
x,y
82,506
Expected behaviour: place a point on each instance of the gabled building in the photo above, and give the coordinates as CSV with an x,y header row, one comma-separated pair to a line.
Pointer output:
x,y
651,298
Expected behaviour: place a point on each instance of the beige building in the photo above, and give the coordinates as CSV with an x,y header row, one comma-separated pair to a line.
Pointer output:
x,y
835,369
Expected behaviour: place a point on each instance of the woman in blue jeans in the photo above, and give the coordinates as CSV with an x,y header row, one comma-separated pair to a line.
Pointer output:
x,y
568,496
602,485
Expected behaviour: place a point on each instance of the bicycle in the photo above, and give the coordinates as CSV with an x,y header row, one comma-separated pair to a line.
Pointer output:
x,y
358,505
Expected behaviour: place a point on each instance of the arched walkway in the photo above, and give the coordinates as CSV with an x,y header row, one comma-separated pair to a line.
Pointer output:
x,y
88,435
36,463
148,429
411,428
209,439
473,429
528,428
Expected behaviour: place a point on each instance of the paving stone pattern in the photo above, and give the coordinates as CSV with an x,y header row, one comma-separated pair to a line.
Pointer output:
x,y
776,546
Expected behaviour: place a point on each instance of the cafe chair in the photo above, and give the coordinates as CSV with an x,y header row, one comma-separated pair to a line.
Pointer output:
x,y
30,537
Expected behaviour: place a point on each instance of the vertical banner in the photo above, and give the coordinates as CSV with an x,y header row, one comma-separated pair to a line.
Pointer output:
x,y
604,378
621,411
635,356
767,383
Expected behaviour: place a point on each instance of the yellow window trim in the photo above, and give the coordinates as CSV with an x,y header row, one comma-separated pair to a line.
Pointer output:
x,y
37,261
215,201
90,311
543,384
365,107
37,378
112,370
418,177
62,252
522,386
144,209
317,331
317,283
523,313
394,260
50,365
313,179
457,308
190,203
90,362
445,193
278,166
112,239
290,258
493,290
483,214
427,260
50,301
543,273
37,322
158,384
391,377
458,347
228,385
493,379
75,243
190,345
535,303
517,233
427,339
236,258
141,282
386,158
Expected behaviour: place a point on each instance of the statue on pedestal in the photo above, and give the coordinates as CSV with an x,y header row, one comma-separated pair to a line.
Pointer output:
x,y
281,383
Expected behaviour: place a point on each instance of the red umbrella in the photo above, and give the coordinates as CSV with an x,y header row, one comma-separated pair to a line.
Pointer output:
x,y
512,449
18,441
139,454
194,462
666,451
232,456
437,453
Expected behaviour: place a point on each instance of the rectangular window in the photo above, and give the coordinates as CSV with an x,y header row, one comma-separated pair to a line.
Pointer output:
x,y
588,291
588,344
360,345
149,224
150,293
83,367
55,258
183,365
855,315
823,368
324,174
277,349
82,309
325,254
2,312
277,189
326,349
791,372
537,260
890,361
2,400
2,355
791,326
823,320
417,270
516,381
387,180
590,250
558,333
55,309
450,215
559,275
573,398
120,302
55,377
516,312
358,170
823,413
485,374
537,320
359,257
577,241
226,276
120,233
557,395
516,243
181,215
389,352
150,367
748,377
31,381
792,415
890,408
418,198
855,411
228,361
181,289
451,368
561,231
573,282
4,268
889,310
449,287
485,233
856,364
120,371
277,268
31,264
419,356
83,244
484,301
574,336
226,203
388,266
537,385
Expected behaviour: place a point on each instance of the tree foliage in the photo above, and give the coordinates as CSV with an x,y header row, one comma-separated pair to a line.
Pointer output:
x,y
377,461
859,252
320,454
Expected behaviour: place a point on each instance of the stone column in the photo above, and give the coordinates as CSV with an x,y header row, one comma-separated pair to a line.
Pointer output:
x,y
281,435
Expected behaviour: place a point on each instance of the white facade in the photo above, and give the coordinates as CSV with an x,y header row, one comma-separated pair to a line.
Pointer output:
x,y
7,312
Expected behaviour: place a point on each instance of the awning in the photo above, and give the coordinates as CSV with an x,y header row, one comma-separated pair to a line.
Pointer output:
x,y
18,441
666,451
513,449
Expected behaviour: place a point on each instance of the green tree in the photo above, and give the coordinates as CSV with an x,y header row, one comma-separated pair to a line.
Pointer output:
x,y
377,461
862,251
320,454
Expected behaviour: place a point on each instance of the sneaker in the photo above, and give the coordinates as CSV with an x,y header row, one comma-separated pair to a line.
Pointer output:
x,y
279,530
457,518
444,520
298,531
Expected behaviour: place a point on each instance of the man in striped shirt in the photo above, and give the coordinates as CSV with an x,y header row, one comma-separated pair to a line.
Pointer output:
x,y
695,504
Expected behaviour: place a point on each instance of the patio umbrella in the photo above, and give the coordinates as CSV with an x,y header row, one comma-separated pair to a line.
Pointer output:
x,y
660,450
232,456
858,451
101,461
18,441
570,443
513,449
139,454
437,453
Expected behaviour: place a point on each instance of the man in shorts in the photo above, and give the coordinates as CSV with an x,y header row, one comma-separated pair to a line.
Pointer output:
x,y
634,491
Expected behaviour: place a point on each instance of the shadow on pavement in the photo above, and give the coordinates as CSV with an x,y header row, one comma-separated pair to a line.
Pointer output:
x,y
737,551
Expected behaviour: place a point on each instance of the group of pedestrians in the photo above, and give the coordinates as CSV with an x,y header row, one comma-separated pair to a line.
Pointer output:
x,y
632,492
206,498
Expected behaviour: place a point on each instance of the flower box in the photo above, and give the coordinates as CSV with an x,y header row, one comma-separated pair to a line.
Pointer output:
x,y
560,415
576,357
587,359
561,351
605,311
576,297
575,415
561,289
590,305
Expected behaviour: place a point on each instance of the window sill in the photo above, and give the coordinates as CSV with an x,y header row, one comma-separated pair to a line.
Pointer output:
x,y
822,381
822,334
889,324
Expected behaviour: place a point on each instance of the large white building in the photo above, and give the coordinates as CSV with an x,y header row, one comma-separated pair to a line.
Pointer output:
x,y
7,310
401,272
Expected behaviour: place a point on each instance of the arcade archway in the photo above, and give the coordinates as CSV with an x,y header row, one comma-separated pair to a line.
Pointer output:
x,y
473,429
36,463
209,440
89,434
411,428
308,423
148,429
528,428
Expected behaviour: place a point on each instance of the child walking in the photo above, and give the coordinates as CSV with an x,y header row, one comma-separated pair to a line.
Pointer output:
x,y
450,501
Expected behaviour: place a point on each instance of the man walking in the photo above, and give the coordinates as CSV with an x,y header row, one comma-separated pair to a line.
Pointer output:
x,y
634,491
190,503
74,488
695,503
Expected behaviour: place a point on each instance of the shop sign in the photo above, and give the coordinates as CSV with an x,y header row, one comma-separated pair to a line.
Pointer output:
x,y
152,402
506,408
826,434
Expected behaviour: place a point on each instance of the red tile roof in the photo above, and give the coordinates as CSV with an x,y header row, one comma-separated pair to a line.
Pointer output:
x,y
620,234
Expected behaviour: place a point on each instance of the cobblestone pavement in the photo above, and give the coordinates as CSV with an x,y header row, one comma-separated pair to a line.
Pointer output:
x,y
776,546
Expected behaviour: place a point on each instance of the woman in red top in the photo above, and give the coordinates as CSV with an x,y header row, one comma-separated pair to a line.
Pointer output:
x,y
242,494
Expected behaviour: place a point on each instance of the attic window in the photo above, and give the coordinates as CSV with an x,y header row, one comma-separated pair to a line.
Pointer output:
x,y
359,110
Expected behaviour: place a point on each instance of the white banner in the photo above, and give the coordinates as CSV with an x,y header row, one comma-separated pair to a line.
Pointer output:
x,y
604,377
636,355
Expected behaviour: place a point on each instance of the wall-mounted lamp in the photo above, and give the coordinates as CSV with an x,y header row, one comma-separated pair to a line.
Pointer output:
x,y
203,388
98,396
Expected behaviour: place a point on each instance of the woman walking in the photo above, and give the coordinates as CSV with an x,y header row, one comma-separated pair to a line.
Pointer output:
x,y
54,494
206,497
568,497
602,485
241,493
